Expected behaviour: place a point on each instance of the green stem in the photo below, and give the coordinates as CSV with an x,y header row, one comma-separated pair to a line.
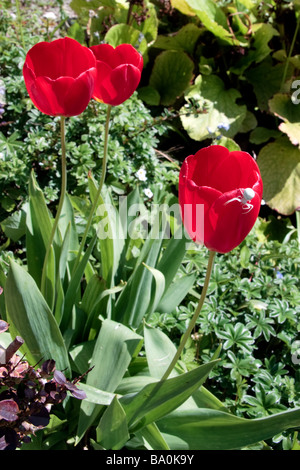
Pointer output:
x,y
290,53
96,200
194,318
61,200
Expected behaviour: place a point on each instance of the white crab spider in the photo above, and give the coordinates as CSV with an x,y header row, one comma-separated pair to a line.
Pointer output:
x,y
246,196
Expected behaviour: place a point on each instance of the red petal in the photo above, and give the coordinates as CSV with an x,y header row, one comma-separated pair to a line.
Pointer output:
x,y
231,222
56,59
117,86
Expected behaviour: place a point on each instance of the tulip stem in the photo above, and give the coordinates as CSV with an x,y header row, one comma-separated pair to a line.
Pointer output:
x,y
61,201
97,196
194,318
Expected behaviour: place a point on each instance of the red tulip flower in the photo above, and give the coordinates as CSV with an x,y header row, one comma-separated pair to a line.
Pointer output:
x,y
220,196
118,72
60,76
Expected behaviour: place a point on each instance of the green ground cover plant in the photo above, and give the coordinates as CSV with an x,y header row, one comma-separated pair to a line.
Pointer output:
x,y
215,72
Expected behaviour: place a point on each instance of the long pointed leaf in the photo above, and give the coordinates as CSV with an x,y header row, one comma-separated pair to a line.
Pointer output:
x,y
156,400
29,313
206,429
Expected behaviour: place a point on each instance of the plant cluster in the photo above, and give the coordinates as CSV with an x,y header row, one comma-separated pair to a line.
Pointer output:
x,y
112,290
252,314
27,394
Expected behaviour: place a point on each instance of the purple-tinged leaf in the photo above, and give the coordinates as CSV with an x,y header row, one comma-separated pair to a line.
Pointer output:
x,y
3,326
9,410
59,377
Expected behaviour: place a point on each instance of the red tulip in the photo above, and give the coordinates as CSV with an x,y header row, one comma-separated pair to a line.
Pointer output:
x,y
118,72
220,197
60,76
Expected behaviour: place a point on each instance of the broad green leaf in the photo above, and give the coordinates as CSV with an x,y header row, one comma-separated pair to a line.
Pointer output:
x,y
160,351
32,318
262,34
14,226
279,163
124,33
184,40
81,355
112,430
113,351
260,135
183,7
282,106
157,400
154,439
205,429
174,295
266,80
149,95
213,18
171,74
96,396
218,105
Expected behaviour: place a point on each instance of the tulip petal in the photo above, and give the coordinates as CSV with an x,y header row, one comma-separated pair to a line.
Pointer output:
x,y
56,59
116,87
229,188
231,221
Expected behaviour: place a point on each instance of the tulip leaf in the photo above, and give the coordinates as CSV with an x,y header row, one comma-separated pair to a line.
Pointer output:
x,y
112,430
171,74
279,163
114,348
207,429
216,106
160,351
30,315
158,399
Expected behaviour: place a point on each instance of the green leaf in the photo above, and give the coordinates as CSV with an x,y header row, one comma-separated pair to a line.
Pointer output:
x,y
157,400
73,287
204,429
113,351
124,33
177,291
282,106
39,225
32,318
184,40
261,135
112,430
135,300
160,351
266,80
154,438
279,163
14,226
213,18
171,74
96,396
218,106
262,33
149,95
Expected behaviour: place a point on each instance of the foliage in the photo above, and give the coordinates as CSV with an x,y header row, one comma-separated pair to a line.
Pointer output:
x,y
119,308
27,394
